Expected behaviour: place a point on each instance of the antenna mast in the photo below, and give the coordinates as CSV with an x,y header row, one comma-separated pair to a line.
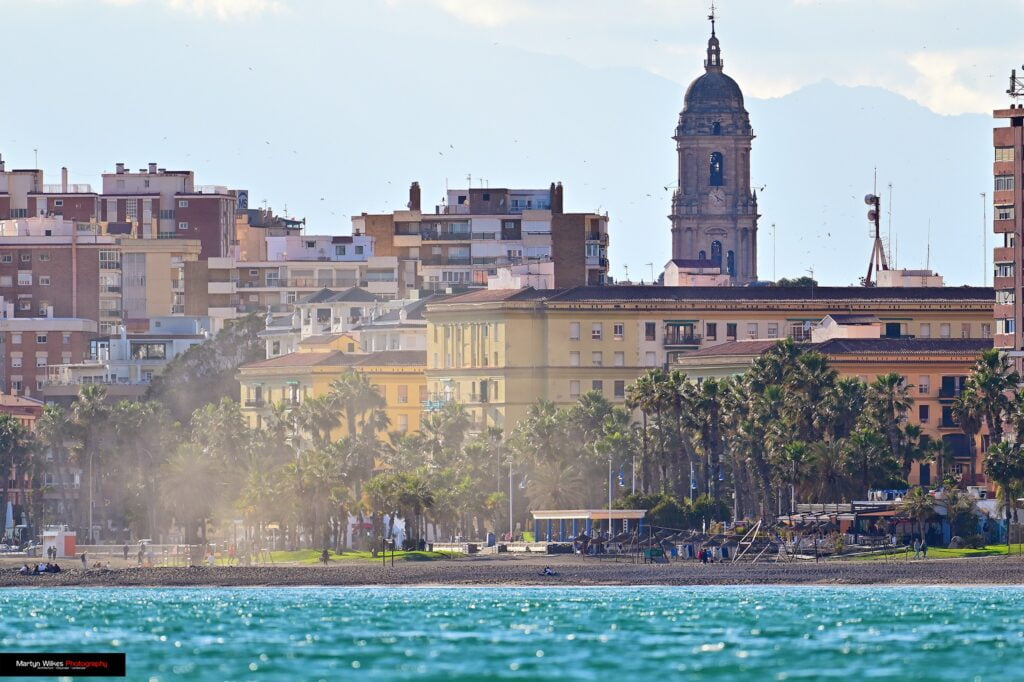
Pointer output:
x,y
878,261
1016,85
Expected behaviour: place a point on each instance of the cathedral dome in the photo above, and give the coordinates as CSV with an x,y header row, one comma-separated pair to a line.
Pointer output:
x,y
714,92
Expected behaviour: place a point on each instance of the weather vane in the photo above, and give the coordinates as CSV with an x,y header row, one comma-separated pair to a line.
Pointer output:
x,y
711,18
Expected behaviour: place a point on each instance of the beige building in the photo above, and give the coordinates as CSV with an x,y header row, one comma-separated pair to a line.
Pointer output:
x,y
497,352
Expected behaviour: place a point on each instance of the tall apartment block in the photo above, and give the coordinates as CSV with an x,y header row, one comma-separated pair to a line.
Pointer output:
x,y
1008,223
478,230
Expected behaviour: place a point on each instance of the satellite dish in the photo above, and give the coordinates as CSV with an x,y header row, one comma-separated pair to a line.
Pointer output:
x,y
870,199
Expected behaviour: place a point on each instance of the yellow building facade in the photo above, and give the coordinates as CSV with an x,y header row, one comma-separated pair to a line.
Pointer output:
x,y
497,352
290,379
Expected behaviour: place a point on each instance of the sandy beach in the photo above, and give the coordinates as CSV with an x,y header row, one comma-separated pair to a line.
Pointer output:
x,y
525,570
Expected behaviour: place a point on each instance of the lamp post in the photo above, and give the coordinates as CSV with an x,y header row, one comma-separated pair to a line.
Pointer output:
x,y
609,496
510,528
90,495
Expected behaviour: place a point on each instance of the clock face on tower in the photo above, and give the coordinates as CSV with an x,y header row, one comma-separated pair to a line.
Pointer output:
x,y
716,200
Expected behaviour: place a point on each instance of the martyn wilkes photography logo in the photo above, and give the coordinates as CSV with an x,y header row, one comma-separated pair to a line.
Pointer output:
x,y
64,665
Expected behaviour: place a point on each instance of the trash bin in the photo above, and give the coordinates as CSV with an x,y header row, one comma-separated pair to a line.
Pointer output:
x,y
491,539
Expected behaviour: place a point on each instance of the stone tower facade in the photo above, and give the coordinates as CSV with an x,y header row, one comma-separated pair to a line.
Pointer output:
x,y
714,210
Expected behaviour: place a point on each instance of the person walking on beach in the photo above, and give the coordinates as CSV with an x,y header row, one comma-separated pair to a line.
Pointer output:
x,y
125,550
924,549
85,563
917,548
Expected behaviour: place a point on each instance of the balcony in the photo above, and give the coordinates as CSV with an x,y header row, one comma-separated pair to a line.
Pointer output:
x,y
446,260
950,392
434,235
255,402
673,340
1002,254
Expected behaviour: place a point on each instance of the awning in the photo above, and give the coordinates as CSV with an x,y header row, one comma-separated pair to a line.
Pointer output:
x,y
887,512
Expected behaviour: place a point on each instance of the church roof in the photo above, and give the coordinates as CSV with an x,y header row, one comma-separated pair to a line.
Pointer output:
x,y
713,92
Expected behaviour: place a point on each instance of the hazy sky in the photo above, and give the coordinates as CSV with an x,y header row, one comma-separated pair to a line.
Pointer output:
x,y
333,106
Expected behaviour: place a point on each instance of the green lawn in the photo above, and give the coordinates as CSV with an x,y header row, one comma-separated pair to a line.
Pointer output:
x,y
312,556
943,553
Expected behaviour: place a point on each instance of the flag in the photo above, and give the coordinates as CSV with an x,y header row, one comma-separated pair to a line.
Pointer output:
x,y
622,479
693,479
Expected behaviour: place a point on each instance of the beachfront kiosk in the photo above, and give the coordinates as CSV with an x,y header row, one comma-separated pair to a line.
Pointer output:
x,y
562,525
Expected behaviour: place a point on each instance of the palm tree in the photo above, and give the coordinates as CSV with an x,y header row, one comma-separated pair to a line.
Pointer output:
x,y
1004,464
14,446
354,395
89,414
824,476
415,496
993,378
868,459
918,505
968,411
888,401
319,417
189,480
54,431
556,486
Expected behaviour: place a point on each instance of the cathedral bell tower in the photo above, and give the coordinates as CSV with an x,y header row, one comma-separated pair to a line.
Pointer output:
x,y
714,211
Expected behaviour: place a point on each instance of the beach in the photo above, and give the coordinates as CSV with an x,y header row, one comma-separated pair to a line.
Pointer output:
x,y
513,570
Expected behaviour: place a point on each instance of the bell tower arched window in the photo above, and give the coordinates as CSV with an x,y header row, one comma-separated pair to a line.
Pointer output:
x,y
716,252
703,255
716,170
730,263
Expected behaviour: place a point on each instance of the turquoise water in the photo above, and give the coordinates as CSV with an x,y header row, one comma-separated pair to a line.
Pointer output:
x,y
702,633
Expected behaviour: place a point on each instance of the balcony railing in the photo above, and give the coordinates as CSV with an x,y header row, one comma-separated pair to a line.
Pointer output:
x,y
446,260
947,392
434,235
256,402
682,339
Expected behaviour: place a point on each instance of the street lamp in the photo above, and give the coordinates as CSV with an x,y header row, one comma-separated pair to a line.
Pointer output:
x,y
510,529
609,495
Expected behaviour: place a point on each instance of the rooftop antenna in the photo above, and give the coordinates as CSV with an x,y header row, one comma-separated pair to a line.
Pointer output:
x,y
625,269
878,261
469,181
773,253
651,266
889,224
1016,85
36,152
928,251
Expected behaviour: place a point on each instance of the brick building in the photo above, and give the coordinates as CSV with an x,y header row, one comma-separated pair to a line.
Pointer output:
x,y
1008,224
29,345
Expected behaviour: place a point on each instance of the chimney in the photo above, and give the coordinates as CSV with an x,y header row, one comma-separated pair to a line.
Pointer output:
x,y
414,196
64,179
1,163
120,169
152,169
556,198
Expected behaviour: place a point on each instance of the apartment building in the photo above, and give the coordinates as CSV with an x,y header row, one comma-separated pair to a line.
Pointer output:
x,y
254,225
23,194
28,345
296,266
474,232
168,204
290,379
497,351
127,362
1008,225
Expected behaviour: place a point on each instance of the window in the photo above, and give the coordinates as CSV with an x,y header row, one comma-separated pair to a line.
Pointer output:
x,y
110,260
773,330
16,362
403,422
167,214
574,389
595,331
650,359
597,358
1004,213
924,385
800,331
24,305
1004,182
1004,153
574,331
359,250
43,257
650,331
618,329
15,338
339,249
711,331
620,389
182,203
26,257
6,258
965,330
730,331
752,330
24,279
574,358
131,210
183,226
15,386
41,361
310,243
986,330
597,385
925,330
6,281
922,414
58,202
716,171
44,280
40,338
1004,270
620,358
944,330
403,394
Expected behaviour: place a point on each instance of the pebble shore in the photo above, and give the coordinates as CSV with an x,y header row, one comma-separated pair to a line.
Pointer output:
x,y
521,571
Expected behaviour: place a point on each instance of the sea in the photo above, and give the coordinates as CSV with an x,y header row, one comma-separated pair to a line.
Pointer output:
x,y
531,633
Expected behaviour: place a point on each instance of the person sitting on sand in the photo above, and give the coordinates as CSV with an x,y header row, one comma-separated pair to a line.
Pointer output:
x,y
25,570
54,568
547,571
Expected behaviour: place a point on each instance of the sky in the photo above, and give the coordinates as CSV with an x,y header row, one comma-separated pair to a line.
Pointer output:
x,y
332,108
